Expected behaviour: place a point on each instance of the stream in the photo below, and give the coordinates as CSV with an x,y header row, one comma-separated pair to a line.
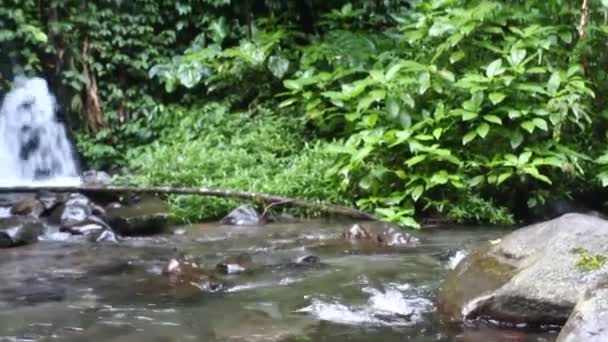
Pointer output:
x,y
78,291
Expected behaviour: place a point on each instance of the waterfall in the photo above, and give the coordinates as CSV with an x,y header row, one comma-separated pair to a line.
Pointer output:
x,y
34,146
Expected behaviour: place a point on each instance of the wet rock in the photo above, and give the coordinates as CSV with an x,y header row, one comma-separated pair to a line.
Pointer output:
x,y
104,235
96,178
236,264
186,275
76,209
10,199
530,276
28,207
243,216
145,217
305,262
395,238
589,321
308,260
92,222
356,232
51,200
18,231
282,218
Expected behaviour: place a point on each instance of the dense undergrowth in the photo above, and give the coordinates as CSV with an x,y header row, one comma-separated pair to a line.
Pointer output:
x,y
477,111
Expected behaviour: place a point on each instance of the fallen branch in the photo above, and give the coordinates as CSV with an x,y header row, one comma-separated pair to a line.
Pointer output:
x,y
271,200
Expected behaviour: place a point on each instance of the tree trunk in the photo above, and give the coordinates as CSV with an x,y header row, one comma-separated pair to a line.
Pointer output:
x,y
265,199
92,104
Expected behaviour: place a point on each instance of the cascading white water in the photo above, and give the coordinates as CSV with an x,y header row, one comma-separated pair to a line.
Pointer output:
x,y
33,145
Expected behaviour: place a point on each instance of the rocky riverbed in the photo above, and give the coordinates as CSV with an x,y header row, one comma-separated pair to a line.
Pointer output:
x,y
306,281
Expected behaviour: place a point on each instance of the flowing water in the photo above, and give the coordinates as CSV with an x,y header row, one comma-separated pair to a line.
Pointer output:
x,y
68,291
33,144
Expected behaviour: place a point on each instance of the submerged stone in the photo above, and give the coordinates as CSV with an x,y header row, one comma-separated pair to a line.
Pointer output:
x,y
145,217
356,232
185,275
236,264
18,231
531,276
28,207
244,215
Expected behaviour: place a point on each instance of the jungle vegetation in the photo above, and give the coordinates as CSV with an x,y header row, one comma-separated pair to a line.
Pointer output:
x,y
472,111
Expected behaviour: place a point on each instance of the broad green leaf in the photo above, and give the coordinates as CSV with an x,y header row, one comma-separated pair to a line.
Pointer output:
x,y
554,82
516,139
440,177
424,82
456,56
514,114
477,180
417,192
392,71
373,96
603,176
469,137
437,132
447,75
287,102
278,66
493,119
528,126
533,171
467,116
517,56
503,177
415,160
408,221
292,85
524,158
439,28
219,30
483,129
189,74
392,107
494,69
496,98
541,123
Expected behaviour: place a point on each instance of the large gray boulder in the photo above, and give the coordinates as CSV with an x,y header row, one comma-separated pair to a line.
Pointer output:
x,y
589,321
534,275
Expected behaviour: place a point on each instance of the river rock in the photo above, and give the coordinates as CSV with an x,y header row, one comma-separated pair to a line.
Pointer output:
x,y
589,321
356,232
186,275
18,231
244,215
145,217
28,207
395,238
530,276
236,264
10,199
96,178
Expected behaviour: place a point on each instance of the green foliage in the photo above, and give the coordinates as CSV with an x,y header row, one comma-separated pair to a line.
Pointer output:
x,y
477,98
588,262
213,147
464,109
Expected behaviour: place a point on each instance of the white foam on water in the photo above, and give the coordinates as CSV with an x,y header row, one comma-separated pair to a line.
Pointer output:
x,y
390,307
33,144
5,212
456,259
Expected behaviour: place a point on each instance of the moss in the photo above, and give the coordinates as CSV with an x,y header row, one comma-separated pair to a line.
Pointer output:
x,y
588,262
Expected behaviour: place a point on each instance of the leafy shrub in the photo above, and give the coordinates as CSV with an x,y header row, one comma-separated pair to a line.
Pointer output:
x,y
235,151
